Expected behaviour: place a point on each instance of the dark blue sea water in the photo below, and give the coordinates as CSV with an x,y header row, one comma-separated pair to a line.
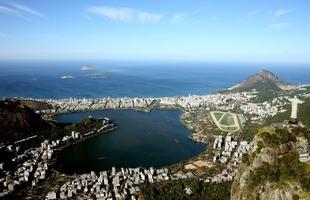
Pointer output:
x,y
41,79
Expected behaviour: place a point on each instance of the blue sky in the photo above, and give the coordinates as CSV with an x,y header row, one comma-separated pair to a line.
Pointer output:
x,y
194,30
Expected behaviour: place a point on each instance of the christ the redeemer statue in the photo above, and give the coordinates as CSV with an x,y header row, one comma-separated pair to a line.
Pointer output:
x,y
295,103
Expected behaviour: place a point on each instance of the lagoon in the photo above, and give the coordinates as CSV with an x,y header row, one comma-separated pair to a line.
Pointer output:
x,y
143,139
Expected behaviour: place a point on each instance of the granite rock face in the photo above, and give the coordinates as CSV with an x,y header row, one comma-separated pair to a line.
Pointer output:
x,y
242,189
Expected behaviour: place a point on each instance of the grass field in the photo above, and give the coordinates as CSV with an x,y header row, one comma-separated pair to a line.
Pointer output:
x,y
218,115
226,121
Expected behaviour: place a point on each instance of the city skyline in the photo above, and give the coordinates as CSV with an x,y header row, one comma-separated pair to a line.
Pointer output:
x,y
138,30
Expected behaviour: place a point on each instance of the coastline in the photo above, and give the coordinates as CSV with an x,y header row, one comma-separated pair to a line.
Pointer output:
x,y
213,165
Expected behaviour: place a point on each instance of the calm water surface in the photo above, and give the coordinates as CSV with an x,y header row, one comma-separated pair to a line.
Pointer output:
x,y
143,139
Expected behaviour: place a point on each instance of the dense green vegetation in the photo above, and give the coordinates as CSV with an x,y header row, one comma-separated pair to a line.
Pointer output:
x,y
302,132
86,125
280,136
286,168
61,129
249,130
175,190
267,90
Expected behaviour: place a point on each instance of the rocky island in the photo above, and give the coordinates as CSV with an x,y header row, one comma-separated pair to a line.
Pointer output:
x,y
88,68
67,77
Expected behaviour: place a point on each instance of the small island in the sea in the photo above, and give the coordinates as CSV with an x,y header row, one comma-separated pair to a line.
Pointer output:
x,y
67,77
99,75
88,68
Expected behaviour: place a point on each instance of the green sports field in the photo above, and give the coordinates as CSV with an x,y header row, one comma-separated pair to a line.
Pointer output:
x,y
225,121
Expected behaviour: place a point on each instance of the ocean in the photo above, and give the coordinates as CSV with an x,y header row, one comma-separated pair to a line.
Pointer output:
x,y
42,79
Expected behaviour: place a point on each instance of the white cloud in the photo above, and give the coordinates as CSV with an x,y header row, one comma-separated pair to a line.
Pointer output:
x,y
146,17
26,9
124,14
19,10
281,12
279,25
10,11
116,14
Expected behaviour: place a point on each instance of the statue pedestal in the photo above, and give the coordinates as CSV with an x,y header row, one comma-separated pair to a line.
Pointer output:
x,y
293,121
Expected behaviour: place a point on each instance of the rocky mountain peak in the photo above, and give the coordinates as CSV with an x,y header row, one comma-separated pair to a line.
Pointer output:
x,y
263,75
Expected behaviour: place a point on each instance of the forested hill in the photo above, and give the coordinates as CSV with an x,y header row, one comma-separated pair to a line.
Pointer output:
x,y
19,121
